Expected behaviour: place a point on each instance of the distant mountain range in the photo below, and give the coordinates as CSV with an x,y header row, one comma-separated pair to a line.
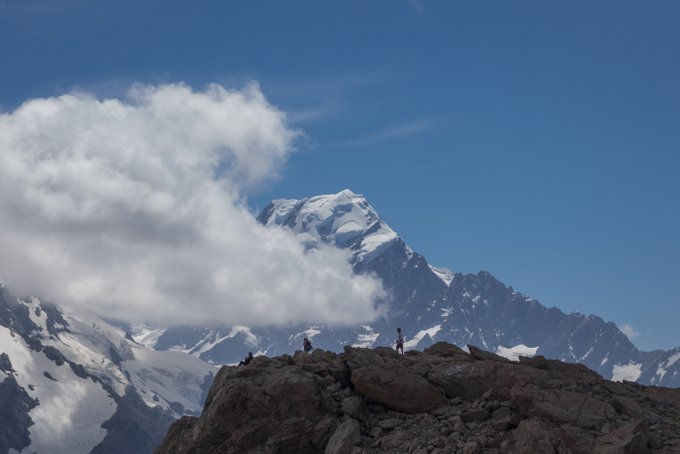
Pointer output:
x,y
76,383
427,302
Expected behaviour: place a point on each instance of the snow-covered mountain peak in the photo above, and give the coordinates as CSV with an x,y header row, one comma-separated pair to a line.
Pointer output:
x,y
345,220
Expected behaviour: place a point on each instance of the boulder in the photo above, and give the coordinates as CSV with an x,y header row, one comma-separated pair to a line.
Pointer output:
x,y
632,438
354,407
345,437
563,406
478,353
397,389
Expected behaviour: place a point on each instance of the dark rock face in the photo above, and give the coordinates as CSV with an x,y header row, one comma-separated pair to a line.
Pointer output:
x,y
134,428
386,382
5,363
15,404
442,400
55,355
246,402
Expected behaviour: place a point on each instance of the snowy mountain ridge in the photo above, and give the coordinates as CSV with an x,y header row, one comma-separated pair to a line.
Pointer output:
x,y
345,220
89,382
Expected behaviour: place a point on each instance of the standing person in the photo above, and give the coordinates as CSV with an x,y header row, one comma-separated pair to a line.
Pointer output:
x,y
400,341
307,345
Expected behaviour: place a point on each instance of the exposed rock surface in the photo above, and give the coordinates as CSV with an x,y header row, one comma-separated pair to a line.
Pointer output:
x,y
15,404
443,400
134,426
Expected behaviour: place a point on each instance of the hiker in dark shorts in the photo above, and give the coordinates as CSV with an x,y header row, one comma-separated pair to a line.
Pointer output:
x,y
400,341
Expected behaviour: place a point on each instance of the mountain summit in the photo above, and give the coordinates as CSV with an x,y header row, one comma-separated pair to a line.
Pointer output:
x,y
345,220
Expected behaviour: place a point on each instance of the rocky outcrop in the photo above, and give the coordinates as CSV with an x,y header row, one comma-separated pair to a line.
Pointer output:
x,y
15,404
442,400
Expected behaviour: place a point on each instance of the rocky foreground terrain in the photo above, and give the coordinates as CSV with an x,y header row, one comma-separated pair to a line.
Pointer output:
x,y
442,400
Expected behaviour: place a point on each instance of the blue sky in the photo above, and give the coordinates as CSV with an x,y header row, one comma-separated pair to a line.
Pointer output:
x,y
537,140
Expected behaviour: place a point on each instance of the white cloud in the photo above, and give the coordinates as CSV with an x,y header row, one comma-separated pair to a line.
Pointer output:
x,y
629,331
133,208
416,5
390,133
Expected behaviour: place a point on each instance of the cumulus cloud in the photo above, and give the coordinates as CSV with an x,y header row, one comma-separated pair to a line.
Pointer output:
x,y
629,331
133,208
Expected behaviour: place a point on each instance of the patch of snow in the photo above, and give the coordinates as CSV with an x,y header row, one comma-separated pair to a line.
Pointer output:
x,y
282,210
145,335
586,354
445,274
367,339
208,342
172,376
571,352
513,353
33,305
673,359
90,343
212,339
350,226
484,344
446,311
629,372
660,371
309,333
376,242
250,338
604,360
413,343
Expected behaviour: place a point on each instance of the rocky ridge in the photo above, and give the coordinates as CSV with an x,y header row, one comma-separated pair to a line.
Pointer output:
x,y
442,400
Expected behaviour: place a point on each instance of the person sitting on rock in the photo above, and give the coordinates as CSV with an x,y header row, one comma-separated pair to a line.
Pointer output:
x,y
307,345
400,341
247,359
